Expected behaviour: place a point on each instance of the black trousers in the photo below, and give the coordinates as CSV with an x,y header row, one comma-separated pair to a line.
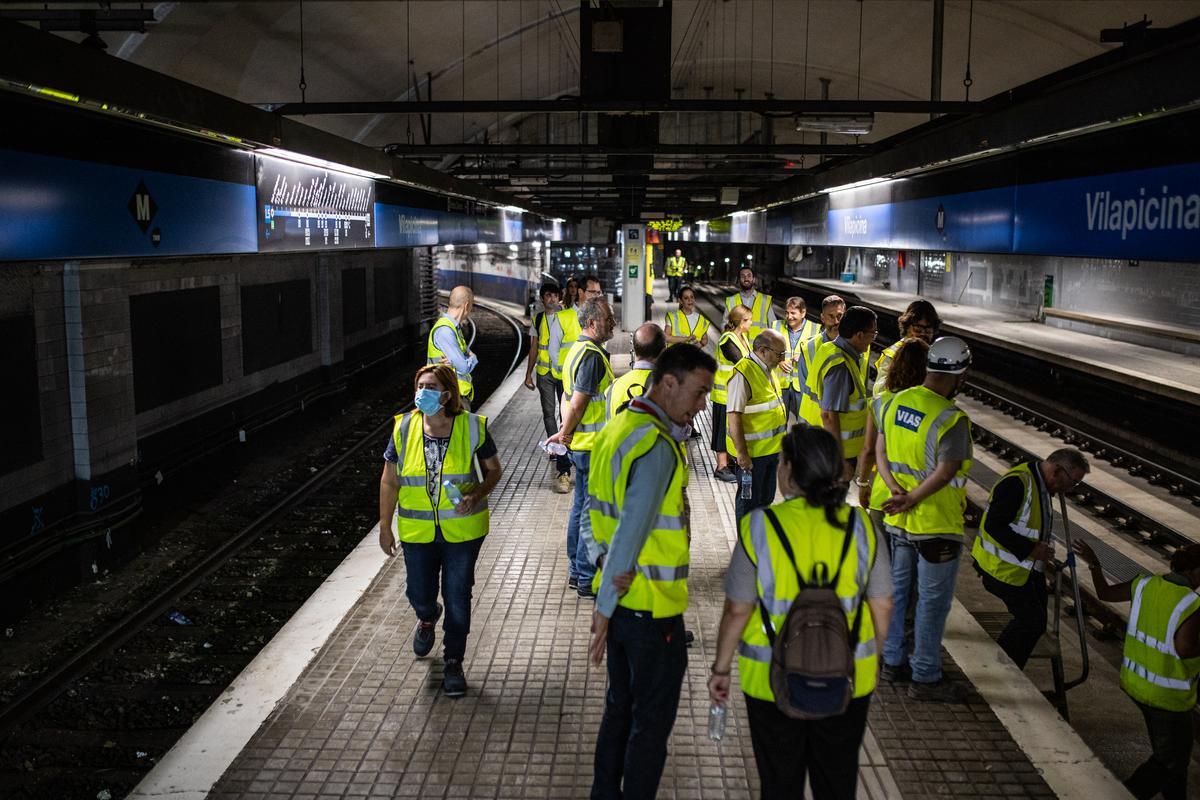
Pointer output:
x,y
647,659
673,282
1166,770
826,750
1027,604
550,391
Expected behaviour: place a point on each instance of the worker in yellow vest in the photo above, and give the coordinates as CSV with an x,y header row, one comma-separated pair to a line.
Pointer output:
x,y
568,323
640,522
687,325
812,527
676,266
1160,664
648,345
439,468
837,379
547,325
447,345
732,347
832,309
796,329
919,321
756,421
762,314
924,457
586,378
1014,544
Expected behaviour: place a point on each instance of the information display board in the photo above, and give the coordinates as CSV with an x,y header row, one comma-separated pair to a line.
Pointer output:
x,y
302,207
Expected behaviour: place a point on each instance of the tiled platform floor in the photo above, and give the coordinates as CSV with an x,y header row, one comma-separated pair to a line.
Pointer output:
x,y
366,719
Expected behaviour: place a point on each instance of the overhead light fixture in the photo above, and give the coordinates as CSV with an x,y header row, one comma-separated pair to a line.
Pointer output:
x,y
729,196
703,198
513,209
529,181
855,185
449,248
856,124
313,161
481,247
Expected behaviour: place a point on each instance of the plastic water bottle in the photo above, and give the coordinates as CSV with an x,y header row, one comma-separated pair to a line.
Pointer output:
x,y
716,722
747,480
553,448
452,492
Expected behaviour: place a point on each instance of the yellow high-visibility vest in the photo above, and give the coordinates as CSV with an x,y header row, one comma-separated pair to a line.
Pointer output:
x,y
681,327
913,424
764,419
1032,523
417,517
568,321
660,575
813,541
434,355
725,366
592,421
1151,670
630,385
546,320
808,329
760,311
675,266
853,423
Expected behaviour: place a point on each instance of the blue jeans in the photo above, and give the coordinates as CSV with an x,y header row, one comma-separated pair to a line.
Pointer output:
x,y
579,523
935,594
454,564
647,659
762,473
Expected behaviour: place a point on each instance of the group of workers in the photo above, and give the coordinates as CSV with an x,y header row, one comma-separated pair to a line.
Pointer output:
x,y
797,411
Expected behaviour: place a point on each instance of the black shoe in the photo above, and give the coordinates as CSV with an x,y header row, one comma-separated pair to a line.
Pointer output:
x,y
454,683
725,474
942,691
424,636
573,582
901,673
585,591
695,433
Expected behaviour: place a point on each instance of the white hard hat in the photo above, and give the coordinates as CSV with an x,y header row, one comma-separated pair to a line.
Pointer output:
x,y
948,354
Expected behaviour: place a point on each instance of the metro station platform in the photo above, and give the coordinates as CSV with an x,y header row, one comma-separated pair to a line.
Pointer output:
x,y
1149,369
337,705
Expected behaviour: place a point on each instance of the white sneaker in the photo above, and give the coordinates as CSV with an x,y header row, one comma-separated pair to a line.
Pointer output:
x,y
561,484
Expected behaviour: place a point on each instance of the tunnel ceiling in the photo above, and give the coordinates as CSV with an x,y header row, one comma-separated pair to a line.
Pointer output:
x,y
483,50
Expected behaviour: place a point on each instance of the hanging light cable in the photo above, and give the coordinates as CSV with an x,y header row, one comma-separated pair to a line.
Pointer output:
x,y
303,83
967,81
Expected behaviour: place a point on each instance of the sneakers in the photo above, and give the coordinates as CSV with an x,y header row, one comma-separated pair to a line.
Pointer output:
x,y
584,590
573,582
900,673
942,691
454,682
424,635
562,483
725,474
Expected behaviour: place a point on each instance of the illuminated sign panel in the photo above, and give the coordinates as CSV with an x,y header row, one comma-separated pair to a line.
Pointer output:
x,y
303,207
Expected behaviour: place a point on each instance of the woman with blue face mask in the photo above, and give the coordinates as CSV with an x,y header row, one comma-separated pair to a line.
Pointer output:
x,y
441,463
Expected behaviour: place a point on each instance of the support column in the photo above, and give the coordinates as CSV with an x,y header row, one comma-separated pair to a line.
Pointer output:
x,y
633,275
76,372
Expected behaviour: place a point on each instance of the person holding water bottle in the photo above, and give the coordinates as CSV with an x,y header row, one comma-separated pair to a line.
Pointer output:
x,y
756,422
441,464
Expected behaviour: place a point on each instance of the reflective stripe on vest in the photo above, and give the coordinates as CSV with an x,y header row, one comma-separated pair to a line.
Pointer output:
x,y
630,385
853,422
720,392
546,321
681,327
593,418
914,424
760,311
417,517
660,580
764,419
813,541
568,323
808,329
1151,670
675,266
434,355
1031,523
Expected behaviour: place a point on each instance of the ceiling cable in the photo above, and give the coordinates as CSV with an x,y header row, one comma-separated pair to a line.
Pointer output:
x,y
303,83
807,19
411,77
858,91
967,81
772,67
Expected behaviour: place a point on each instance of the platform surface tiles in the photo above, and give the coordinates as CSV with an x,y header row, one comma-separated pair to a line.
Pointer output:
x,y
366,718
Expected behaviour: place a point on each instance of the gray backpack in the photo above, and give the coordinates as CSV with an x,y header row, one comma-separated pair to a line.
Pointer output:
x,y
812,654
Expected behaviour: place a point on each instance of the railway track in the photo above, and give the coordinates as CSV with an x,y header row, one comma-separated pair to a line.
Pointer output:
x,y
97,720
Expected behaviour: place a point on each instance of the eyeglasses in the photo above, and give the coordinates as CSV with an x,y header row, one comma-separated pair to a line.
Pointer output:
x,y
593,292
1071,483
780,353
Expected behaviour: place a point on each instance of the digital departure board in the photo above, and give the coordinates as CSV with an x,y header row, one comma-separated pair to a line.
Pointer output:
x,y
303,207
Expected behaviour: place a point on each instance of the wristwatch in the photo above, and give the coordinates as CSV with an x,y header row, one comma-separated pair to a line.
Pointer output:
x,y
860,483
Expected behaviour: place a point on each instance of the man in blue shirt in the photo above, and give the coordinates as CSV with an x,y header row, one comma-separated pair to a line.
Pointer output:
x,y
447,344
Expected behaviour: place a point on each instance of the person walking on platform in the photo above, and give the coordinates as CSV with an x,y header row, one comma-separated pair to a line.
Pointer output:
x,y
832,309
762,314
810,537
757,421
924,457
732,348
547,326
571,293
568,326
440,465
907,370
1014,544
676,265
919,321
796,329
1160,664
687,325
648,345
447,344
586,377
640,519
837,380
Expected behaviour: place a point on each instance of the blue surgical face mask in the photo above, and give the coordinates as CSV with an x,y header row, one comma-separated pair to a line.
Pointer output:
x,y
429,401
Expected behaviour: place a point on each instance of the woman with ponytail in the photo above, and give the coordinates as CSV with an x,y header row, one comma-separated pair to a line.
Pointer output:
x,y
812,538
1160,664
